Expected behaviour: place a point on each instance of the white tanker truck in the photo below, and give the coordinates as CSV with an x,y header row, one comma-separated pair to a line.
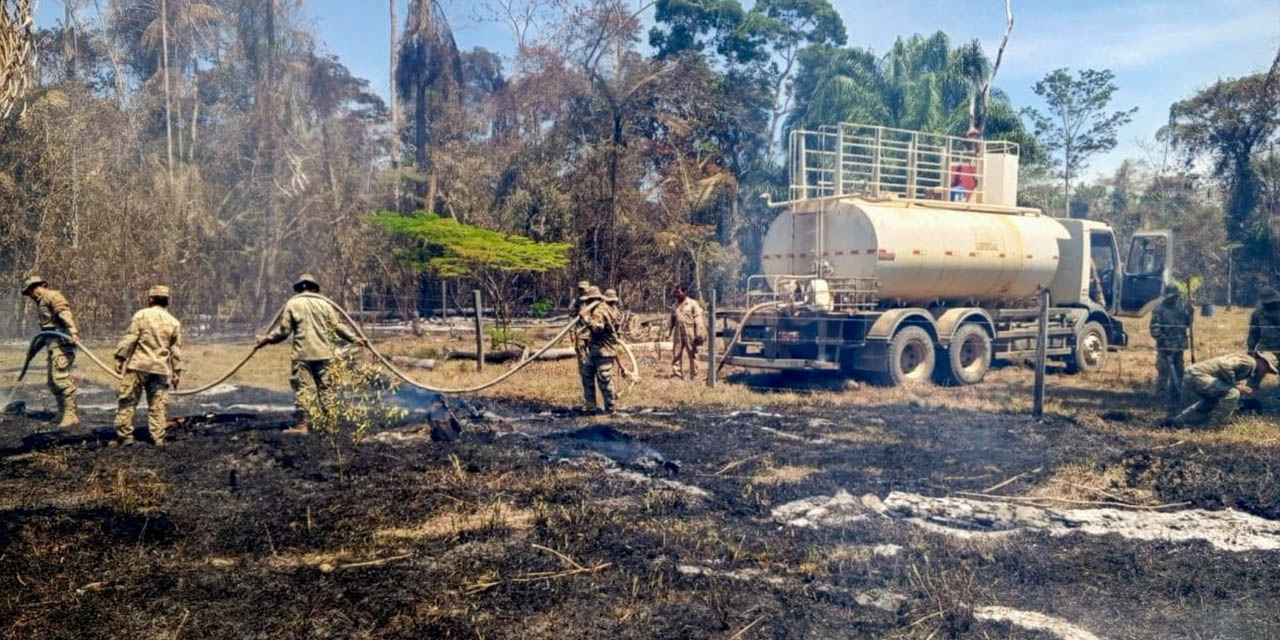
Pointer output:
x,y
902,255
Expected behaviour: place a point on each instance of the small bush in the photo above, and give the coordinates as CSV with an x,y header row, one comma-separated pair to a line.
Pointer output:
x,y
541,308
353,403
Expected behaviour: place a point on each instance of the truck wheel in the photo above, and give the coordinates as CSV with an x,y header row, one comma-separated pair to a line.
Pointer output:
x,y
969,357
911,357
1090,350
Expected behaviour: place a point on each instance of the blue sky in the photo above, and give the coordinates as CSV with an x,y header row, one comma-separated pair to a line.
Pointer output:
x,y
1160,51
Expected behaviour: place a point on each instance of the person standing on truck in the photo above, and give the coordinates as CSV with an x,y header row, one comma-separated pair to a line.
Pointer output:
x,y
688,332
148,359
1170,322
1221,381
964,175
55,315
314,325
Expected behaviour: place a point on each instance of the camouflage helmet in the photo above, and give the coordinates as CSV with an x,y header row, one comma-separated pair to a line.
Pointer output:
x,y
611,295
31,282
158,291
1268,295
305,278
1172,290
1273,366
593,293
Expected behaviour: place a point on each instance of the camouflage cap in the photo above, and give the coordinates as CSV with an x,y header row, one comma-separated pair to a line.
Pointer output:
x,y
31,282
1172,290
158,291
1268,295
1273,367
610,295
593,293
305,278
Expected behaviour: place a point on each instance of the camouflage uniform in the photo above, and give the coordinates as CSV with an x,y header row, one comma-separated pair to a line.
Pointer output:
x,y
602,320
1169,323
149,355
1264,324
314,325
1214,382
55,315
581,339
688,324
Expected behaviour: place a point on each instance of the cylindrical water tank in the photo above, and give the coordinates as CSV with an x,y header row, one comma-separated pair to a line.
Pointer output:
x,y
918,254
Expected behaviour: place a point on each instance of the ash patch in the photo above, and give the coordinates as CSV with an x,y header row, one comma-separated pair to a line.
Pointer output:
x,y
613,444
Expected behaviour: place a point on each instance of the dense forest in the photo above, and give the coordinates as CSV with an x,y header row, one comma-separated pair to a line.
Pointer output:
x,y
216,146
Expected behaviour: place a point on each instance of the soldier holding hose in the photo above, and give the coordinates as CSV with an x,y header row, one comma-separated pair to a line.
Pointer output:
x,y
148,358
315,326
55,315
601,319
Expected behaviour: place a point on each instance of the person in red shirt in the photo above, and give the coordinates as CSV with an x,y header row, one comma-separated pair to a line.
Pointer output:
x,y
964,177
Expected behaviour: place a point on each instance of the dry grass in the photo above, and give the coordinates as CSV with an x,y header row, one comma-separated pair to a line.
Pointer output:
x,y
770,474
1087,482
1130,373
128,491
451,523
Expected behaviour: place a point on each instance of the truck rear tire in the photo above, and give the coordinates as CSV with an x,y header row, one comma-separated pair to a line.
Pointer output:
x,y
1090,350
968,358
911,357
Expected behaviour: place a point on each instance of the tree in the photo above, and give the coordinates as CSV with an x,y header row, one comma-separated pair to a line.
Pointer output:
x,y
429,64
922,84
789,26
17,52
451,249
1077,124
1228,122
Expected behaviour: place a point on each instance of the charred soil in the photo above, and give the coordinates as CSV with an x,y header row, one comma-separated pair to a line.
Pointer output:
x,y
537,523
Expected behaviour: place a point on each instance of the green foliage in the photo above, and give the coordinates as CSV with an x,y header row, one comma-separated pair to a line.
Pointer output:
x,y
453,249
1077,123
503,335
922,83
1228,122
541,308
354,403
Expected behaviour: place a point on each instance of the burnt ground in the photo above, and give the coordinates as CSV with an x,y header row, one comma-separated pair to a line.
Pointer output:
x,y
537,523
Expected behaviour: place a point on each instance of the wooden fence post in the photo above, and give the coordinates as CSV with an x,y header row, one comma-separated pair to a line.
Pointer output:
x,y
479,330
1042,346
711,339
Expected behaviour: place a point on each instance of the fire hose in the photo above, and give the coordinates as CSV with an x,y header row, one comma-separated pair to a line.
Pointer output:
x,y
738,333
40,339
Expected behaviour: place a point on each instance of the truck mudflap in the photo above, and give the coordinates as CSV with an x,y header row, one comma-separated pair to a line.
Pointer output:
x,y
1117,337
781,364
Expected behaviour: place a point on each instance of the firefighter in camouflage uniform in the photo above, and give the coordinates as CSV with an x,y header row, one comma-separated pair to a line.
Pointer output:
x,y
1219,383
55,315
1170,322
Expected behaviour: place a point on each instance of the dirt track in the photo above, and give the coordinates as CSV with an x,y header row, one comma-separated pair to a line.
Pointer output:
x,y
658,524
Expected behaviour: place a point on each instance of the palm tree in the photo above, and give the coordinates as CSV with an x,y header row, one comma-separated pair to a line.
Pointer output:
x,y
429,64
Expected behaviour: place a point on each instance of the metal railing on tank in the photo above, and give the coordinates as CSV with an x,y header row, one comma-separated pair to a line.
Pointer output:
x,y
883,162
847,294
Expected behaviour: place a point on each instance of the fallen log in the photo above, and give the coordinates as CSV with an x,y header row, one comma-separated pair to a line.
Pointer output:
x,y
416,363
510,355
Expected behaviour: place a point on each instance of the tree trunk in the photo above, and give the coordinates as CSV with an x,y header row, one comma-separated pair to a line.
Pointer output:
x,y
168,115
395,116
420,140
